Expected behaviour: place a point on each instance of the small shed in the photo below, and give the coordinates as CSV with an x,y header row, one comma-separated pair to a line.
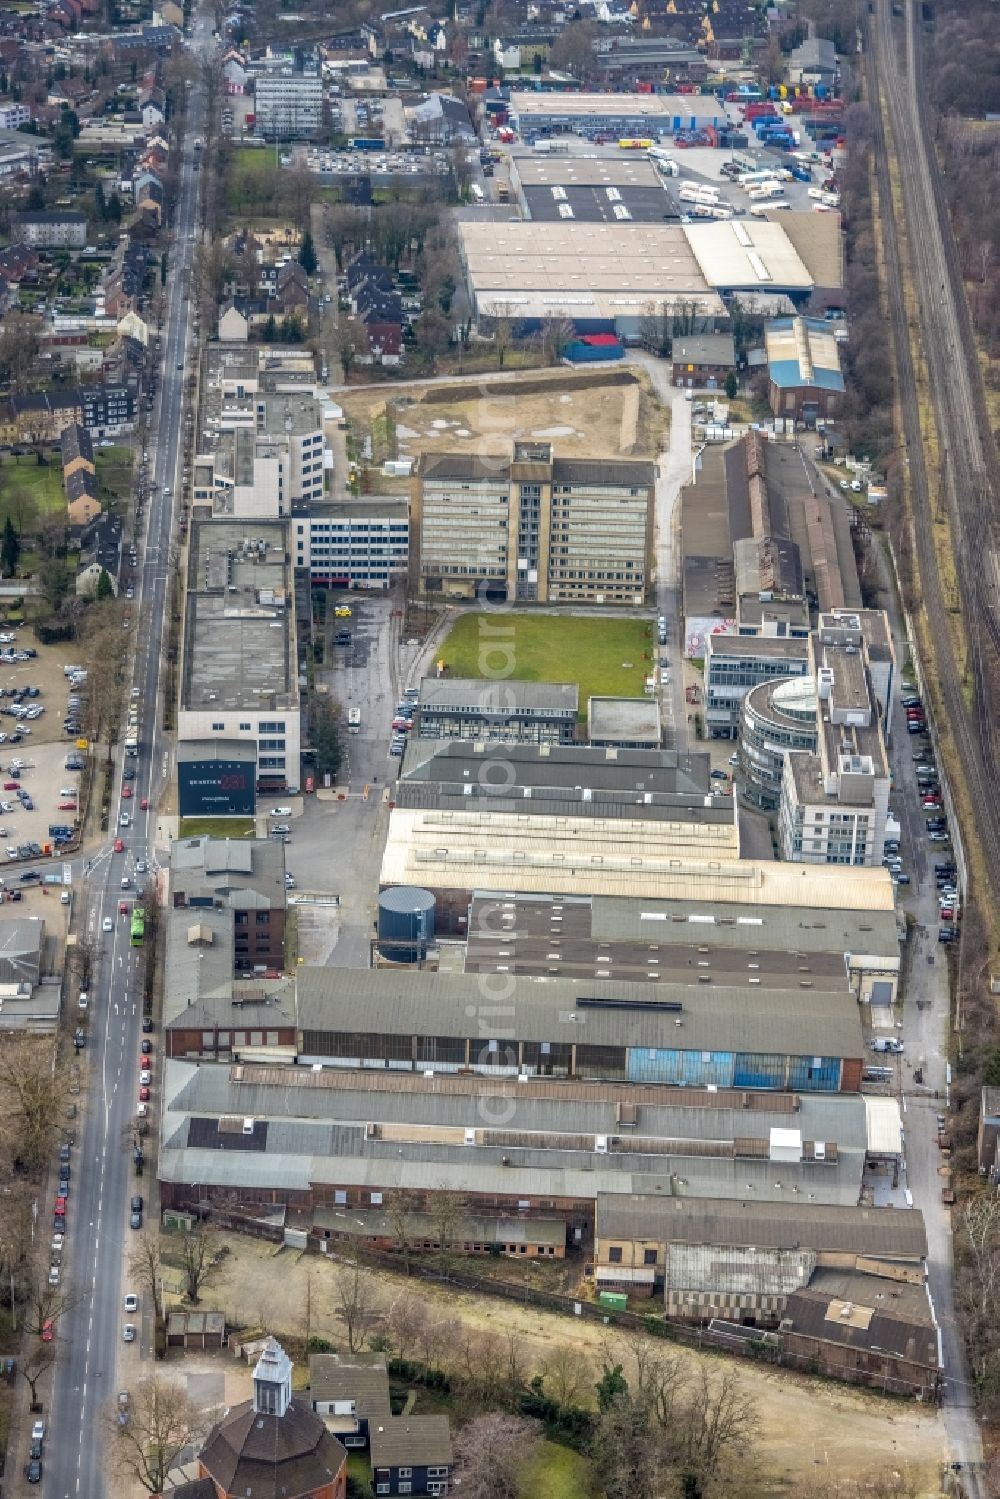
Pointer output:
x,y
196,1330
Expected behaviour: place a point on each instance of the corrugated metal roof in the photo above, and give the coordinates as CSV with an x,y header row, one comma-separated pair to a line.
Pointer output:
x,y
536,1180
788,1225
301,1118
885,1127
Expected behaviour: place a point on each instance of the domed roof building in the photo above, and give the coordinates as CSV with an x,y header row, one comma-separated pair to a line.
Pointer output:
x,y
273,1447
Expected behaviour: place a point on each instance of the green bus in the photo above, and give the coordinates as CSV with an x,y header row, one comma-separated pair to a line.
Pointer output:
x,y
138,925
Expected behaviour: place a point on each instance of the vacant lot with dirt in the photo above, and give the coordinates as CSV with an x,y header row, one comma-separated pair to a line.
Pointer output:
x,y
581,417
810,1431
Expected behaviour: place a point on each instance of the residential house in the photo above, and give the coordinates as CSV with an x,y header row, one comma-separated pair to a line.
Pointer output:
x,y
233,326
381,315
152,107
101,550
411,1455
18,263
166,13
350,1391
234,72
77,450
82,504
292,289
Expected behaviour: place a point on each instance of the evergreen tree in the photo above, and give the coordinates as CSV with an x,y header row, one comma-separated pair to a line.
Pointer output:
x,y
307,255
10,548
105,588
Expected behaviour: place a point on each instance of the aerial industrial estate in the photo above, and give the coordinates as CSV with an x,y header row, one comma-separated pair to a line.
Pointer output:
x,y
503,1001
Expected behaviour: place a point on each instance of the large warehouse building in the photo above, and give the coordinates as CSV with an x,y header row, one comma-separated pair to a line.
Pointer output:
x,y
618,115
616,273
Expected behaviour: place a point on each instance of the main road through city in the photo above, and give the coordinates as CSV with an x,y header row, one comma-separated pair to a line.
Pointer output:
x,y
90,1331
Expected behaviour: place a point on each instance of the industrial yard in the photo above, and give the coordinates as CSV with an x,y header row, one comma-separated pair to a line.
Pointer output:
x,y
590,415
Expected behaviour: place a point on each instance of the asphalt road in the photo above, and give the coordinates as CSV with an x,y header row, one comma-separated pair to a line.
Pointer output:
x,y
90,1333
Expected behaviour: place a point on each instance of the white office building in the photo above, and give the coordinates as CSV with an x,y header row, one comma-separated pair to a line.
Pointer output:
x,y
351,543
288,105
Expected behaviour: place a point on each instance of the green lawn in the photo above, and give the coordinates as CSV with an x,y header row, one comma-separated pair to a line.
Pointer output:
x,y
29,492
556,1473
114,472
359,1468
217,827
605,656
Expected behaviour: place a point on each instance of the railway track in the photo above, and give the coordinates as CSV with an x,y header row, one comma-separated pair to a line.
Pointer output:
x,y
893,64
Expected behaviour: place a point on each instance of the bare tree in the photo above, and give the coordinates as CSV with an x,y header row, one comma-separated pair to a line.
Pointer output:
x,y
197,1250
15,1232
567,1375
434,1337
45,1304
396,1207
32,1100
404,1322
490,1456
146,1266
447,1212
354,1299
979,1242
38,1361
162,1421
718,1423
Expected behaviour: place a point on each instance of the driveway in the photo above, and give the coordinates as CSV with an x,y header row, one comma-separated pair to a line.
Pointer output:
x,y
673,471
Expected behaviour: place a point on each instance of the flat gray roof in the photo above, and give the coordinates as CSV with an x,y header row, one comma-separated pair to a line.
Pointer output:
x,y
648,942
813,1022
624,718
538,169
239,648
857,1230
480,694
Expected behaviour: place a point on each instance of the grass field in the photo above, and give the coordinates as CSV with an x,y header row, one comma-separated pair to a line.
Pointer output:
x,y
40,487
558,1473
606,657
217,827
114,472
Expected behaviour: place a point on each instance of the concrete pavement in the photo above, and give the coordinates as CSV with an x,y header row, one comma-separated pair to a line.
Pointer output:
x,y
673,471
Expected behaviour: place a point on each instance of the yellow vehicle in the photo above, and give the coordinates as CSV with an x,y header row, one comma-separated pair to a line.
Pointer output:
x,y
631,143
342,612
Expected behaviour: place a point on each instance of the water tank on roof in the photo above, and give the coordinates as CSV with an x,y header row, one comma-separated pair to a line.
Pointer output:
x,y
405,923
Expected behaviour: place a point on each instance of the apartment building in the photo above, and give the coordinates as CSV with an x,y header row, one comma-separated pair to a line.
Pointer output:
x,y
350,543
239,677
534,527
53,229
834,803
288,105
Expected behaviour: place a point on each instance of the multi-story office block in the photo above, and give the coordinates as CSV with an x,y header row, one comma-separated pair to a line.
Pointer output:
x,y
534,528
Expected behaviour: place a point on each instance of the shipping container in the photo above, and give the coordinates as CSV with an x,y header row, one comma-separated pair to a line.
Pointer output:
x,y
615,1301
367,143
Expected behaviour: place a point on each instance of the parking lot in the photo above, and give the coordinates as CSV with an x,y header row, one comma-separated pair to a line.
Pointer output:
x,y
39,792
